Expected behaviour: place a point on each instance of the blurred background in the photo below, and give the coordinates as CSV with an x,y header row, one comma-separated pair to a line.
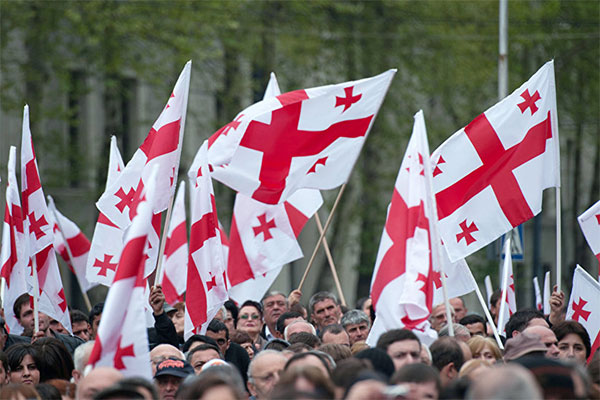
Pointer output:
x,y
92,69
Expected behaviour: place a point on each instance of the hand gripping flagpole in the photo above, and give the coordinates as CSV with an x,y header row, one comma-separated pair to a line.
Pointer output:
x,y
327,223
507,254
336,279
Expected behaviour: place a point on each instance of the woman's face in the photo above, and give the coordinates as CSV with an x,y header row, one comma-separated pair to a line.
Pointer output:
x,y
26,373
571,347
485,354
249,320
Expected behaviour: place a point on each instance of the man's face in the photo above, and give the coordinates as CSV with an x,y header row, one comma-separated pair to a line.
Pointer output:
x,y
82,330
26,320
274,306
459,308
476,329
326,312
549,339
300,326
357,332
95,324
161,353
423,391
167,386
438,317
221,339
265,375
44,321
56,326
201,357
340,338
404,352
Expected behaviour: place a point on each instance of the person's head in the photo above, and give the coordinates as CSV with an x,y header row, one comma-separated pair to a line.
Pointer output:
x,y
523,319
460,332
23,361
402,345
232,313
337,351
177,316
495,304
474,323
80,325
14,391
306,382
24,312
298,326
3,369
357,324
547,337
169,375
423,380
557,379
80,359
484,348
244,340
438,318
162,352
263,373
447,357
219,332
573,341
54,360
334,334
380,360
3,333
94,319
99,378
284,320
504,382
310,358
141,385
472,368
306,338
211,386
274,305
250,318
325,309
459,308
196,339
364,304
201,354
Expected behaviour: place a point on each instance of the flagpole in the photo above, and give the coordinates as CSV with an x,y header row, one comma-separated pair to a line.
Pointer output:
x,y
488,288
36,293
329,219
86,299
330,260
486,311
163,242
558,241
504,281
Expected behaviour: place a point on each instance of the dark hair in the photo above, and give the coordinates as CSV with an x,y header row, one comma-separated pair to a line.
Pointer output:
x,y
286,387
334,329
240,337
17,352
564,328
4,361
299,356
198,338
361,302
65,387
196,387
233,309
472,319
496,295
48,392
337,351
277,344
78,316
22,299
15,391
395,335
280,324
138,382
299,348
347,370
444,351
203,347
95,311
119,391
306,338
519,320
217,326
252,303
54,360
417,373
380,360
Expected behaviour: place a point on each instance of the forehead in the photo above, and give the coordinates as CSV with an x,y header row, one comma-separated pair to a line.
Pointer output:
x,y
268,362
248,310
165,351
218,334
204,355
404,346
275,297
324,303
572,338
456,303
362,324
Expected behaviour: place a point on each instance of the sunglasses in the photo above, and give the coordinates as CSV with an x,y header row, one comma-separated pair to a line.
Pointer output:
x,y
246,316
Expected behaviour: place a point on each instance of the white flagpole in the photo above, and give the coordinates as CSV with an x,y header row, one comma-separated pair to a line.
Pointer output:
x,y
547,293
488,289
507,254
336,279
163,242
486,311
558,240
36,293
538,293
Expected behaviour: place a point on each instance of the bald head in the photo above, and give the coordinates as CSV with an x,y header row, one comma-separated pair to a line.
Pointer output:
x,y
162,352
98,379
547,337
298,326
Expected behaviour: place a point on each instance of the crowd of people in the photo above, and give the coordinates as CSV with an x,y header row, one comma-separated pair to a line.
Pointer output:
x,y
278,349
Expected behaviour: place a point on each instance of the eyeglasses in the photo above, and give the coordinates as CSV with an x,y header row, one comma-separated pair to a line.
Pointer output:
x,y
221,341
246,316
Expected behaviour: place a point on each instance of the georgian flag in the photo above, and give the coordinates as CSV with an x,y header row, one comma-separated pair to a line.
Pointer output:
x,y
489,176
589,222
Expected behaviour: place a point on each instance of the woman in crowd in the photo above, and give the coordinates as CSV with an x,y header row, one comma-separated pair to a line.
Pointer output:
x,y
23,364
250,321
484,348
573,341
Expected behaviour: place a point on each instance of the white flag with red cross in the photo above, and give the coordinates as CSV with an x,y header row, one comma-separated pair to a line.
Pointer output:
x,y
206,288
489,176
402,284
107,241
67,233
51,295
302,139
459,279
175,259
14,256
584,305
589,222
122,340
162,148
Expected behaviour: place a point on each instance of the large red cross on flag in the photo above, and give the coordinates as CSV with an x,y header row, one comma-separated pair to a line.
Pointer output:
x,y
50,294
14,255
162,148
584,305
402,284
589,222
207,267
490,175
302,139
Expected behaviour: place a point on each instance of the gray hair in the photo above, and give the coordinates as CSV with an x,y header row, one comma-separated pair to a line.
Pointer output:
x,y
459,331
505,382
82,355
355,317
258,356
271,294
320,296
285,331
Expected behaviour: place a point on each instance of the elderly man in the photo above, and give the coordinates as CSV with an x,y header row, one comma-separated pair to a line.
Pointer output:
x,y
325,309
162,352
547,337
357,324
460,310
438,318
99,378
263,373
169,375
274,304
298,326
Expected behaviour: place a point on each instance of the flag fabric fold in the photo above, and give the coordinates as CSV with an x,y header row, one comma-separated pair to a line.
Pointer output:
x,y
589,222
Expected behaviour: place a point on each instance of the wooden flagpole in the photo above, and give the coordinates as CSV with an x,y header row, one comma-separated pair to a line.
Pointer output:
x,y
163,242
486,311
327,223
336,279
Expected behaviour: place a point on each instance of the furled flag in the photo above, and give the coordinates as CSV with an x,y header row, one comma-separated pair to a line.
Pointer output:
x,y
14,256
71,244
488,289
162,147
122,340
547,293
538,294
206,278
459,279
584,305
50,292
510,303
175,259
589,222
402,283
489,176
302,139
107,241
